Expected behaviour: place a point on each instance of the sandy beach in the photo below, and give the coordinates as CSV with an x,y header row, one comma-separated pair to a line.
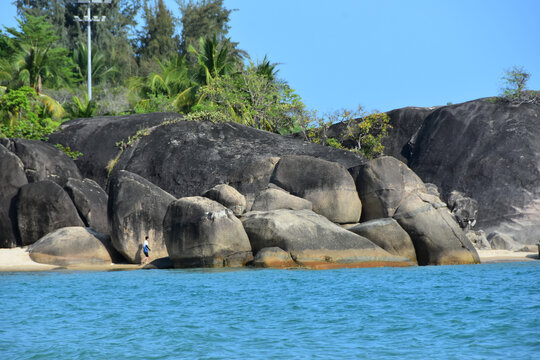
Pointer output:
x,y
18,259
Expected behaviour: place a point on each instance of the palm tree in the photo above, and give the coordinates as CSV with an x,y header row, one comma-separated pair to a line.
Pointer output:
x,y
35,59
100,70
213,59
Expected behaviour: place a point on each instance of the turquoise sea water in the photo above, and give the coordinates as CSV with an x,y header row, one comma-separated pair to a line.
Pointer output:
x,y
489,311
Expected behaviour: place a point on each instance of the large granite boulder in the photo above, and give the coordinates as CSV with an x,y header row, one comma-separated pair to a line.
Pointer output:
x,y
227,196
73,246
488,150
314,241
97,139
327,185
186,158
43,207
388,188
437,237
91,203
382,185
12,178
136,209
200,232
274,198
44,161
387,234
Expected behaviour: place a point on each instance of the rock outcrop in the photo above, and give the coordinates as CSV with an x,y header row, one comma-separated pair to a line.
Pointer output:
x,y
136,209
387,234
73,246
274,198
388,188
488,150
314,241
43,207
383,184
187,158
97,138
91,203
227,196
44,161
200,232
327,185
12,178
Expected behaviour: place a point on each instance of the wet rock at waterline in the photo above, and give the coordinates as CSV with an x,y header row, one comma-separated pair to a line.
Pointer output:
x,y
314,241
387,234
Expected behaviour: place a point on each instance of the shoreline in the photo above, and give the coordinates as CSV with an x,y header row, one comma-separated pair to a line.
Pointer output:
x,y
18,260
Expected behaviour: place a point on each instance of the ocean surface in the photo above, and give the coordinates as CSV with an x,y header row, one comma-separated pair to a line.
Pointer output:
x,y
489,311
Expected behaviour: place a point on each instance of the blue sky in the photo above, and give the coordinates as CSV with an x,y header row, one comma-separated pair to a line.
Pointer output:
x,y
386,54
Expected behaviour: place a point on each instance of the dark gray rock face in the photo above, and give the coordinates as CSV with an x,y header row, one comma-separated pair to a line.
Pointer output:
x,y
314,241
136,209
200,232
44,161
91,203
327,185
12,178
188,157
489,151
463,208
43,207
405,123
387,234
273,199
96,138
227,196
253,177
73,246
382,185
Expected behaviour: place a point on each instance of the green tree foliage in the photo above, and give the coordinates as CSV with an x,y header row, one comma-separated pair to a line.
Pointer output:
x,y
157,38
36,59
204,18
368,132
253,99
515,86
26,114
214,59
101,71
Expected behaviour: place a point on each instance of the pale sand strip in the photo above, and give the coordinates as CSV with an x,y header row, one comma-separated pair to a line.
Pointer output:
x,y
18,259
487,256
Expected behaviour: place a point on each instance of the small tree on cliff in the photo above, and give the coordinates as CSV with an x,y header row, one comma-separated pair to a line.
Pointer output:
x,y
515,86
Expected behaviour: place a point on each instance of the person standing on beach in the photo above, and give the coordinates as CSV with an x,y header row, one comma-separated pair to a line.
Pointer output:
x,y
146,249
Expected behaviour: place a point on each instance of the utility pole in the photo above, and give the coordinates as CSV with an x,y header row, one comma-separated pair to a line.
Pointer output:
x,y
89,19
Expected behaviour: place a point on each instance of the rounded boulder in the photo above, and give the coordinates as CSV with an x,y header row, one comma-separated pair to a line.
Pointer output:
x,y
200,232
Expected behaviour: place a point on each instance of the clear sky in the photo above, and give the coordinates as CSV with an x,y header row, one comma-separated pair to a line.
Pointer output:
x,y
385,54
